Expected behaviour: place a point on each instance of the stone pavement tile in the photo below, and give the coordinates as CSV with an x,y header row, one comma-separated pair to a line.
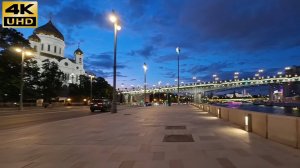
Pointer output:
x,y
201,162
78,164
114,140
158,156
115,157
138,156
241,152
127,164
126,148
151,164
271,160
145,148
176,164
225,163
14,164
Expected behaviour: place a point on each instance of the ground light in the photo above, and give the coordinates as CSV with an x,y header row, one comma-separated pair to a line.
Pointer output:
x,y
248,123
23,52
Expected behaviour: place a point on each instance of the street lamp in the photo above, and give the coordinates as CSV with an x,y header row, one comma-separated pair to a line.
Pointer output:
x,y
145,84
194,79
91,94
178,52
159,82
24,52
236,75
114,19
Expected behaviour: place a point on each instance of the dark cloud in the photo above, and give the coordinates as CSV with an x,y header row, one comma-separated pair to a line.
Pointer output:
x,y
170,74
245,25
103,61
49,2
171,57
146,52
137,8
80,14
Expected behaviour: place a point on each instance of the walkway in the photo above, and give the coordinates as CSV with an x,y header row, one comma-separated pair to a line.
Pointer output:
x,y
133,138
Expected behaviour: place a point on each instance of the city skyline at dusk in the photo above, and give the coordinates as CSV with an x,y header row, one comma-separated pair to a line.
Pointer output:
x,y
215,37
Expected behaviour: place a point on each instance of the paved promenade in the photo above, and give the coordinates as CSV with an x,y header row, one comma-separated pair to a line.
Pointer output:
x,y
149,137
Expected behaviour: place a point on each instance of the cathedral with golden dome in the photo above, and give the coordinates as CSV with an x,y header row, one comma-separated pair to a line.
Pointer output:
x,y
48,44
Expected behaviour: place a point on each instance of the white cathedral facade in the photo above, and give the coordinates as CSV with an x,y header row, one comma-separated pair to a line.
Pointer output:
x,y
48,43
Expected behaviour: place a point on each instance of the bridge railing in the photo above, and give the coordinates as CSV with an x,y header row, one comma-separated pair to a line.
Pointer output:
x,y
278,128
220,84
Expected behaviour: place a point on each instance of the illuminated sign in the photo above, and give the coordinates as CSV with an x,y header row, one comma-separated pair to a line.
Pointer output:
x,y
18,14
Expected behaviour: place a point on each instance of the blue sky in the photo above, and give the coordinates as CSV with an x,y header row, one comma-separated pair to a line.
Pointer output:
x,y
215,36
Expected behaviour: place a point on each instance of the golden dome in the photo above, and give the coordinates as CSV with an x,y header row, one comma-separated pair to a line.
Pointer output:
x,y
78,51
49,29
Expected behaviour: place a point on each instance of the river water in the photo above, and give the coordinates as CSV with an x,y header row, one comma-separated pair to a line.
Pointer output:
x,y
288,111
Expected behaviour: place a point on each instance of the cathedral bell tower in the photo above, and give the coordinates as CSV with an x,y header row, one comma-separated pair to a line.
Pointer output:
x,y
78,56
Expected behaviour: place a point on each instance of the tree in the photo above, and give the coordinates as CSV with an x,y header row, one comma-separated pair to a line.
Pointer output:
x,y
10,66
51,80
101,88
85,85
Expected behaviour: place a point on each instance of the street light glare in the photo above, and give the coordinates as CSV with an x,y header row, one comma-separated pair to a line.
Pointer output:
x,y
287,68
177,50
119,27
145,67
28,53
18,50
113,18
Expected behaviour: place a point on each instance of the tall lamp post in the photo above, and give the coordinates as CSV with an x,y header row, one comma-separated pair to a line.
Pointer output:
x,y
145,81
178,52
91,93
159,82
236,76
113,18
24,52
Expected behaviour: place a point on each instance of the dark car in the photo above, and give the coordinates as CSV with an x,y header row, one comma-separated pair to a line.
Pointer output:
x,y
100,104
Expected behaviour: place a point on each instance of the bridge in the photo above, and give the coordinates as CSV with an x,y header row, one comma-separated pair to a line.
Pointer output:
x,y
198,89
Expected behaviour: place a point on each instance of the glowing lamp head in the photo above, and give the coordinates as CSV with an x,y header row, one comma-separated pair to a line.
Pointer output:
x,y
145,67
177,50
261,71
119,27
18,50
287,68
28,53
113,18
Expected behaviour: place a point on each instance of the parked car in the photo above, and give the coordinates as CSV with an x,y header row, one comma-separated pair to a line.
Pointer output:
x,y
100,104
148,104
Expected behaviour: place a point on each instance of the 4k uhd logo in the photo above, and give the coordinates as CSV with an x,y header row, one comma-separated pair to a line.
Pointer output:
x,y
18,14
